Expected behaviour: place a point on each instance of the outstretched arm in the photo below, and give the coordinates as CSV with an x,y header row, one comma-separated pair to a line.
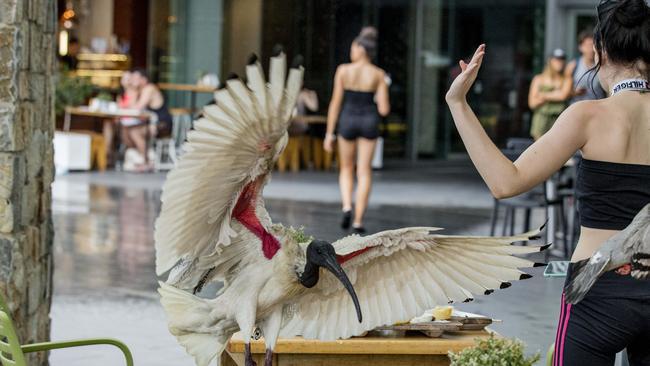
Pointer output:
x,y
334,109
536,164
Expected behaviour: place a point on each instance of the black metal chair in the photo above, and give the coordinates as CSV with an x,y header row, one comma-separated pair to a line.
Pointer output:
x,y
536,198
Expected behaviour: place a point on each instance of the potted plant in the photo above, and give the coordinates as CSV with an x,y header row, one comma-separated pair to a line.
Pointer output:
x,y
71,90
494,352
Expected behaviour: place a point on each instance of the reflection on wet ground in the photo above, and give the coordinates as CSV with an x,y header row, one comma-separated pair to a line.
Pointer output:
x,y
105,283
105,240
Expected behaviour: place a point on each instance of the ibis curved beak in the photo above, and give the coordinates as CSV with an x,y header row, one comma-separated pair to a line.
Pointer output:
x,y
332,265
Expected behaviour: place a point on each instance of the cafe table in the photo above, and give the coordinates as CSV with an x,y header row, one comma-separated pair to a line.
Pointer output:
x,y
88,112
192,88
409,350
309,147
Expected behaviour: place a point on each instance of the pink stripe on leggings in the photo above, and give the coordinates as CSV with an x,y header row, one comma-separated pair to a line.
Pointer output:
x,y
564,328
559,330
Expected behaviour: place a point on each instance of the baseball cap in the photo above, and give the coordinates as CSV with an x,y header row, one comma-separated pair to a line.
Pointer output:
x,y
558,53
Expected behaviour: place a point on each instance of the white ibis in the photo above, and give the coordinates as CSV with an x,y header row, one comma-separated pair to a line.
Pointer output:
x,y
630,246
213,227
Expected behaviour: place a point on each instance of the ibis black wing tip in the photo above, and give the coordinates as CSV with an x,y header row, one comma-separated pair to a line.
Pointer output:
x,y
525,276
298,62
544,247
277,50
543,225
488,291
505,285
252,59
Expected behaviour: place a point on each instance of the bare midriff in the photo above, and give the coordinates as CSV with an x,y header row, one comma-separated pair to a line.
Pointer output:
x,y
590,241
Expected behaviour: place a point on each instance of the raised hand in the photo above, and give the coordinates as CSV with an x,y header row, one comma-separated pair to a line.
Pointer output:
x,y
463,82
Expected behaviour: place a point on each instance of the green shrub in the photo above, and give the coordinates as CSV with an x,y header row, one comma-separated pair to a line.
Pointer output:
x,y
493,352
71,90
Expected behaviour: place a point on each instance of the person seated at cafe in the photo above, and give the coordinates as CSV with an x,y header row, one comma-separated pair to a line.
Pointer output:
x,y
125,100
306,104
151,99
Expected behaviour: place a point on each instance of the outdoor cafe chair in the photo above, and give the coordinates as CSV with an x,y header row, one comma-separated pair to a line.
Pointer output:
x,y
167,150
12,353
537,198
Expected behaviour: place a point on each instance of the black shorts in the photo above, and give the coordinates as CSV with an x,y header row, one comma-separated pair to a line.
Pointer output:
x,y
355,123
614,315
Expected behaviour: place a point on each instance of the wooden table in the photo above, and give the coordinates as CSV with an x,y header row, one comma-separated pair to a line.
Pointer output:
x,y
192,88
85,111
311,119
411,350
309,147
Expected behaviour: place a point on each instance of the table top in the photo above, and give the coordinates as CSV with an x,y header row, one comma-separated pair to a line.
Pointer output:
x,y
187,87
86,111
408,345
311,119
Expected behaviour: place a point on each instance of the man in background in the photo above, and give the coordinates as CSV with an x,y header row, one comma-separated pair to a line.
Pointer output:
x,y
70,59
585,82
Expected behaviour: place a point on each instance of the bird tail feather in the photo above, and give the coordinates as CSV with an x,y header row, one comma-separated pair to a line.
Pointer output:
x,y
583,276
185,314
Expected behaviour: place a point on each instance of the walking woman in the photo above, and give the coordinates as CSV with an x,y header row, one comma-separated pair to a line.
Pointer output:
x,y
359,98
548,94
613,180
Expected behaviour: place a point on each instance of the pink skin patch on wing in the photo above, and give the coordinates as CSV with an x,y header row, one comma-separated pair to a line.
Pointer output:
x,y
244,212
344,258
624,270
264,146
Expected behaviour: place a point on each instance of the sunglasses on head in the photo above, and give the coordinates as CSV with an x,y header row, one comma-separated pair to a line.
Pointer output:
x,y
605,7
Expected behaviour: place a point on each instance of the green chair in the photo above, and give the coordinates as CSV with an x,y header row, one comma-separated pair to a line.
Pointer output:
x,y
12,352
549,355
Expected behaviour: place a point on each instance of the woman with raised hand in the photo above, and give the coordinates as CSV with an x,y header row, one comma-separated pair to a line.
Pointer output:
x,y
613,181
359,98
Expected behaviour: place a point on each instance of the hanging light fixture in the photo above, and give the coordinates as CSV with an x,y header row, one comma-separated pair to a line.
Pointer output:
x,y
67,20
69,15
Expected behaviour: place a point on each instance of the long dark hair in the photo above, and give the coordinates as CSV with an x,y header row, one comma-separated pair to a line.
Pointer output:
x,y
623,33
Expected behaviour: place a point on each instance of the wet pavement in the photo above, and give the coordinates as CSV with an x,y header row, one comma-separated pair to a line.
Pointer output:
x,y
104,281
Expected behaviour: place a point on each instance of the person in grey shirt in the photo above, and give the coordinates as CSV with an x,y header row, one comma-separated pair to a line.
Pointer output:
x,y
585,83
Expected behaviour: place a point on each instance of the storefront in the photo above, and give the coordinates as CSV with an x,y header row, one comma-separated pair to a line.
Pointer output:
x,y
420,42
419,45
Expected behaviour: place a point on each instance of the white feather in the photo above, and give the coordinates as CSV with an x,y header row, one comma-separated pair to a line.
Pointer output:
x,y
405,272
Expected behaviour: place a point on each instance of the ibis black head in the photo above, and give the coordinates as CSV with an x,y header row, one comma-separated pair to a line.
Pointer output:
x,y
322,254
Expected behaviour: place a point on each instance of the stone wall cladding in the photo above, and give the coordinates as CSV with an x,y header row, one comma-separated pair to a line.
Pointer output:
x,y
27,64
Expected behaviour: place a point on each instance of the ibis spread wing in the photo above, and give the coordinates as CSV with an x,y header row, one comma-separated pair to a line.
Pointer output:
x,y
235,143
399,274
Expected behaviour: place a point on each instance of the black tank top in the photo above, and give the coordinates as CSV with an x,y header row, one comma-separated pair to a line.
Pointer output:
x,y
359,101
611,194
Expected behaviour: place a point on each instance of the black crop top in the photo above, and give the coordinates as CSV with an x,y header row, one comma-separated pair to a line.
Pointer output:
x,y
359,99
611,194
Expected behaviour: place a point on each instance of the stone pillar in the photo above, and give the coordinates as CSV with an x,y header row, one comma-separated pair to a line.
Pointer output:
x,y
27,63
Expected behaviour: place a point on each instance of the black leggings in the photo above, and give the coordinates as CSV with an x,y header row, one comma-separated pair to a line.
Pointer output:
x,y
614,315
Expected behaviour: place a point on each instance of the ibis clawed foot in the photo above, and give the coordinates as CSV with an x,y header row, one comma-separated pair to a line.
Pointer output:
x,y
268,359
248,355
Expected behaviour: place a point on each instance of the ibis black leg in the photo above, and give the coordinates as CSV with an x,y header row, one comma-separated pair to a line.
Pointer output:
x,y
248,355
268,359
